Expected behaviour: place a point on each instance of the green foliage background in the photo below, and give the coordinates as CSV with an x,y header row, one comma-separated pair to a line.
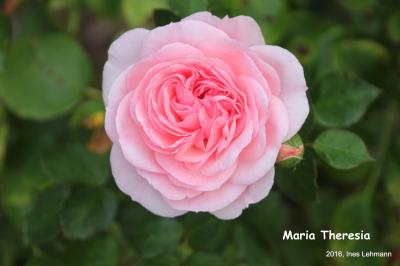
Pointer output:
x,y
60,206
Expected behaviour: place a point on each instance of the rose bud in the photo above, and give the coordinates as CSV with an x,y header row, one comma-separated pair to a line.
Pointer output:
x,y
291,152
197,111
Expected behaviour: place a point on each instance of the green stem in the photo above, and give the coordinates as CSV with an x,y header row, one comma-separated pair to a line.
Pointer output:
x,y
383,147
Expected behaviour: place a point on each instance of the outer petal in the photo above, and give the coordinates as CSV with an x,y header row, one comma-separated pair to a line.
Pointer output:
x,y
131,139
210,201
123,52
135,186
190,32
292,81
248,172
168,189
253,194
190,178
241,28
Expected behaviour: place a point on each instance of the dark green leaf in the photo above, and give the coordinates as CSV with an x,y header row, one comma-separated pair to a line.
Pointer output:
x,y
44,77
3,135
9,244
75,164
87,211
160,237
251,251
109,8
259,216
263,8
99,251
44,260
361,56
163,17
4,35
42,221
187,7
341,149
164,260
200,227
393,28
357,5
138,12
18,188
353,214
342,100
203,258
299,184
393,182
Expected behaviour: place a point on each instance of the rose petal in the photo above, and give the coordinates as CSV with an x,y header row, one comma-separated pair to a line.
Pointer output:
x,y
123,52
187,31
253,194
210,201
292,81
250,171
190,178
137,188
131,139
134,76
162,184
241,28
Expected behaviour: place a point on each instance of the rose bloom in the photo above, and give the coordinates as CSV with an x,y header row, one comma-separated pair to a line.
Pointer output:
x,y
197,111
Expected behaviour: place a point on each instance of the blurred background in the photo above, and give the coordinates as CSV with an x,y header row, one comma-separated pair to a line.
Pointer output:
x,y
59,205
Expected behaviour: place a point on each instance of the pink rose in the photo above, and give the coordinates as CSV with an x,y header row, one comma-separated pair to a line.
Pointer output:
x,y
197,111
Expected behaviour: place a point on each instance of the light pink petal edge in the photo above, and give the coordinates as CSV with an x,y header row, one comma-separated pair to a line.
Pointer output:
x,y
123,52
137,188
253,194
241,28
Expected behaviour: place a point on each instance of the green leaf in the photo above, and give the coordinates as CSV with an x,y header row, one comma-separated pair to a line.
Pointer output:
x,y
109,8
251,251
393,28
160,237
44,77
42,221
9,244
342,100
44,260
4,35
87,211
75,164
163,17
138,12
263,8
3,135
18,188
299,184
187,7
199,258
200,227
99,251
364,57
341,149
393,182
164,260
275,29
354,215
259,216
357,5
